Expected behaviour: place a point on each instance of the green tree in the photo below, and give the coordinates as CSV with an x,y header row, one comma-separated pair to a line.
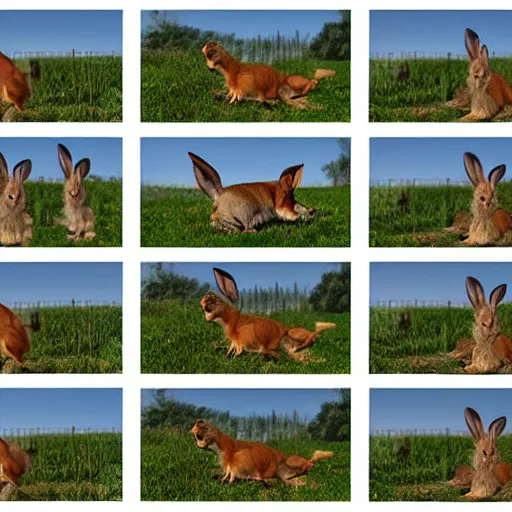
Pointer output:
x,y
338,171
332,293
163,283
332,423
333,41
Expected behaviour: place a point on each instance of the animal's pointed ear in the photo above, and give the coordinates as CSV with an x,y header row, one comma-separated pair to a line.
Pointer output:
x,y
22,171
4,170
291,178
472,42
83,167
496,428
65,160
207,177
475,293
474,423
497,174
484,57
497,295
474,169
226,284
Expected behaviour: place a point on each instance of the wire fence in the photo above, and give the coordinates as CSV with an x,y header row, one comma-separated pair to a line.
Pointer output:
x,y
417,303
73,53
27,305
394,56
419,432
419,182
20,432
44,179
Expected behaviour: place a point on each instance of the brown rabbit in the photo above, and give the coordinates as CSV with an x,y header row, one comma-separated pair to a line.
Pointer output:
x,y
255,333
15,222
488,223
15,336
258,81
79,218
243,207
252,461
492,349
14,463
489,474
488,92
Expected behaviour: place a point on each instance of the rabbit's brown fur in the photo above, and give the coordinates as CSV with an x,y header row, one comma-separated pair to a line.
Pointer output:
x,y
488,223
245,206
258,81
252,461
15,222
79,218
255,333
492,349
488,92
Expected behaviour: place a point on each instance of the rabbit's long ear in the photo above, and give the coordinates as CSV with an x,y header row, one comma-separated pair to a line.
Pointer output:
x,y
472,42
226,284
497,174
496,428
475,293
474,168
22,171
65,160
290,178
484,58
474,423
497,295
4,170
83,167
207,177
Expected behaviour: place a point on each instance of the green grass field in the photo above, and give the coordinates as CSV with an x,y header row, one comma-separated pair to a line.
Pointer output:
x,y
177,339
178,217
66,467
174,469
83,89
430,211
74,340
177,87
45,203
423,348
423,474
421,98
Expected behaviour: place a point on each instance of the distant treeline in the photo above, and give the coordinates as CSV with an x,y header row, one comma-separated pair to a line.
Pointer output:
x,y
332,43
331,423
331,295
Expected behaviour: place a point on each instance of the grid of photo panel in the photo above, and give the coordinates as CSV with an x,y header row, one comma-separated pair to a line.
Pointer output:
x,y
223,225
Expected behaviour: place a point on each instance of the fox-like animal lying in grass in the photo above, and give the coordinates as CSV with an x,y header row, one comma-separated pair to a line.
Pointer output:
x,y
258,81
14,463
255,333
245,206
252,461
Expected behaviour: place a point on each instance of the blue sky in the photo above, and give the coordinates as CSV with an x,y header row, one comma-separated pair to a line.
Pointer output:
x,y
435,408
237,160
247,275
434,158
438,31
243,402
246,24
61,31
105,154
61,408
434,281
32,282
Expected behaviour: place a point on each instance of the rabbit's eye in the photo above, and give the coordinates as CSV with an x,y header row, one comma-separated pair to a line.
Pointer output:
x,y
485,453
482,198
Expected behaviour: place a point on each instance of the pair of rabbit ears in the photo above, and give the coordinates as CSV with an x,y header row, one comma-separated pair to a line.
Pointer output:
x,y
475,52
475,171
81,169
20,172
226,284
476,294
476,425
209,180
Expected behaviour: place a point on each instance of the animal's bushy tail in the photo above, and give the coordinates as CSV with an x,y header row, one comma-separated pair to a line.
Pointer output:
x,y
324,73
321,454
322,326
